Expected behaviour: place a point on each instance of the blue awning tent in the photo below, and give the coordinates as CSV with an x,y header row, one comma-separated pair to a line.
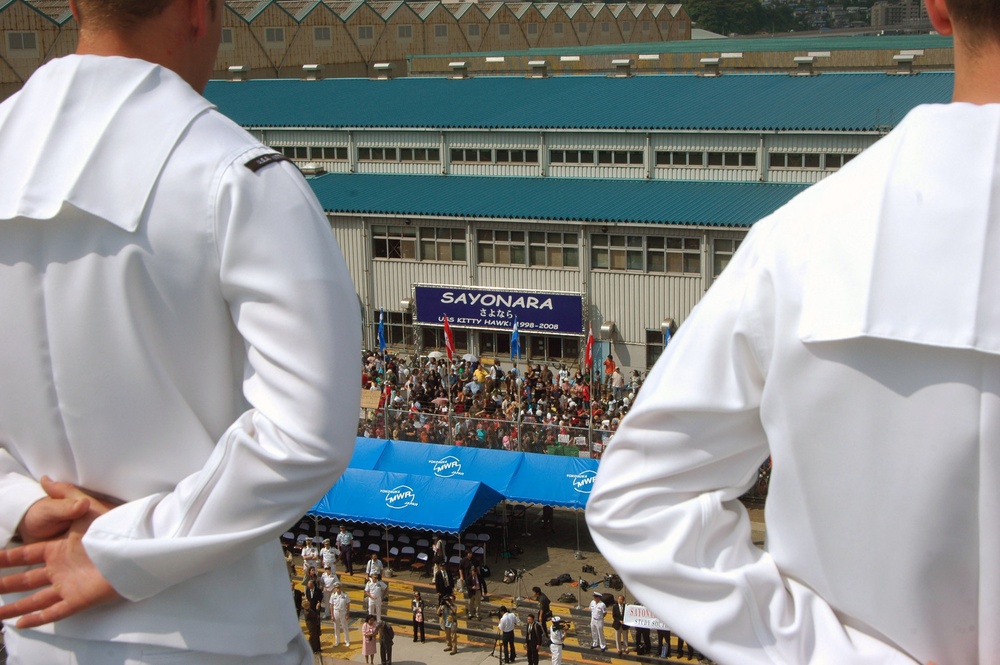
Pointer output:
x,y
406,500
529,478
366,453
550,480
495,468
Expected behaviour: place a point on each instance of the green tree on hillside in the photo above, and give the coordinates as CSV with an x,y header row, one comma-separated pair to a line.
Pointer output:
x,y
744,17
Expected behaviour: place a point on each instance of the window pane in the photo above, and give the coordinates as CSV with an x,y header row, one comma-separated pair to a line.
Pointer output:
x,y
571,257
674,262
654,242
655,262
536,237
503,254
618,259
458,252
795,161
599,258
776,159
749,159
427,252
484,253
604,157
692,243
409,249
715,159
517,236
444,251
553,256
692,263
634,260
811,161
538,255
517,255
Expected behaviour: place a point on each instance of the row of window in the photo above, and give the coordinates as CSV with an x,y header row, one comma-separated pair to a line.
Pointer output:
x,y
780,160
401,332
655,254
550,249
323,34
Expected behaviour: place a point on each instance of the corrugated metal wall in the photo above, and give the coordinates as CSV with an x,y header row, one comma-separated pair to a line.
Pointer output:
x,y
636,302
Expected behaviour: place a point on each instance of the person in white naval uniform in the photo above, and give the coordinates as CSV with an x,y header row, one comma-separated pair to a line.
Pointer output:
x,y
177,317
855,339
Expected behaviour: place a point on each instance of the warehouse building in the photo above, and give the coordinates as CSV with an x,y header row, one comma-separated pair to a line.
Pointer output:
x,y
567,203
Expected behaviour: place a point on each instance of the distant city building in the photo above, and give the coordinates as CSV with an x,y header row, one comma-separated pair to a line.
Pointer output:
x,y
900,14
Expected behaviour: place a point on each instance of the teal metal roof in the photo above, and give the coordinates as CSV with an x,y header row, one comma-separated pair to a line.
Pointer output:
x,y
721,204
828,102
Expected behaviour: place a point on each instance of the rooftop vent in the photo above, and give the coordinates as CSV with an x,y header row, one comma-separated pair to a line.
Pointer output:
x,y
710,67
239,72
312,169
312,72
383,71
804,65
904,63
539,69
459,69
623,67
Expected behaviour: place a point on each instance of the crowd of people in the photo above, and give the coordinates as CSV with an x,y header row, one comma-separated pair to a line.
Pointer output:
x,y
528,408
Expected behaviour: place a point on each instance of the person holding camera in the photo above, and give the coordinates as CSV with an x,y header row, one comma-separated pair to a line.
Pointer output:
x,y
556,637
508,620
449,621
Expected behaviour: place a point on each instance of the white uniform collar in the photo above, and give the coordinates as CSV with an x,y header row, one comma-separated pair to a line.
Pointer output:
x,y
68,134
925,221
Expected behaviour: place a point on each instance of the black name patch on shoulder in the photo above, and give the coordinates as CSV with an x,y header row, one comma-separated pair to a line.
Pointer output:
x,y
257,163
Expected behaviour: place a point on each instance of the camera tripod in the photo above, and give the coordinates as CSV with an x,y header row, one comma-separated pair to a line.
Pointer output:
x,y
496,641
520,590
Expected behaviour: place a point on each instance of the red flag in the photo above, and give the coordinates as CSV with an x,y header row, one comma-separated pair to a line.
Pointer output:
x,y
588,359
449,339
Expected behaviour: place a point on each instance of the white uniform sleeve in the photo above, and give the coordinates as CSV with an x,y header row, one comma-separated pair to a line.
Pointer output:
x,y
664,509
293,303
18,490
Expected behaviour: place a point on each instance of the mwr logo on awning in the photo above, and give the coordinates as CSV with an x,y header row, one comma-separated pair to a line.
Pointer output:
x,y
446,467
400,497
582,482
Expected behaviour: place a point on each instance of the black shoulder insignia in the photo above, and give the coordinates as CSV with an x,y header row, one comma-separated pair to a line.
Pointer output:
x,y
257,163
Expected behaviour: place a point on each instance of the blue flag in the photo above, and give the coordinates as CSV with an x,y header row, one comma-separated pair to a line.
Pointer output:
x,y
381,331
515,343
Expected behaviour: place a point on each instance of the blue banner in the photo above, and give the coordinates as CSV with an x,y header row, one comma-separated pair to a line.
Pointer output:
x,y
495,309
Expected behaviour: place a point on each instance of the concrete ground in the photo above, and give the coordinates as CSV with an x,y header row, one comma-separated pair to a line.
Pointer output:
x,y
544,555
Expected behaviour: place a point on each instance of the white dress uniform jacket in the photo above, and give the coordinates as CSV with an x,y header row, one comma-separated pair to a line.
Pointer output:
x,y
176,331
855,337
